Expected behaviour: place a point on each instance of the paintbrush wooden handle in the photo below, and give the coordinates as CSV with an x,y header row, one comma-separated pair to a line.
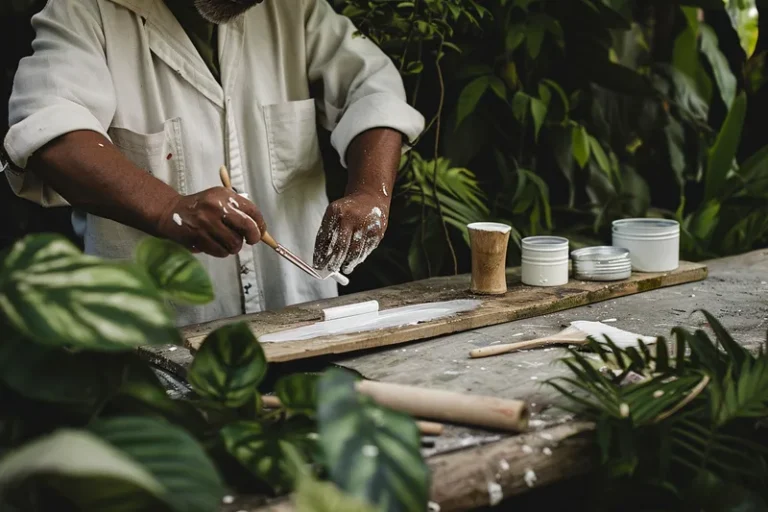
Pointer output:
x,y
227,183
495,350
448,406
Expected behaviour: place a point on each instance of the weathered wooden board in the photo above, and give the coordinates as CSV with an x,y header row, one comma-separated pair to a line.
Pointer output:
x,y
520,302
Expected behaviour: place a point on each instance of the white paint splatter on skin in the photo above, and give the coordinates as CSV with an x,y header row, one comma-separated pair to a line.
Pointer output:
x,y
547,451
527,449
504,465
530,478
495,494
177,219
384,189
101,145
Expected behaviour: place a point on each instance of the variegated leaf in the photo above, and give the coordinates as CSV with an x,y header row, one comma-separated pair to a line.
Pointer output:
x,y
261,447
175,271
371,452
53,294
298,392
228,366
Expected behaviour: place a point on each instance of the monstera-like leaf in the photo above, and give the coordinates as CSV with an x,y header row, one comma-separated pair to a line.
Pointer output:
x,y
228,366
54,295
175,271
371,452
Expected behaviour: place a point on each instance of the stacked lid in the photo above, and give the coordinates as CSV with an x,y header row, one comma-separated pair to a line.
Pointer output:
x,y
603,263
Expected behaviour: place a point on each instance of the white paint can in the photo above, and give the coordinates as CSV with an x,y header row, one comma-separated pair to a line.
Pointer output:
x,y
653,244
545,261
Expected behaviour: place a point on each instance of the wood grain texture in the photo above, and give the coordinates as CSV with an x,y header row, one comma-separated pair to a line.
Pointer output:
x,y
519,302
461,480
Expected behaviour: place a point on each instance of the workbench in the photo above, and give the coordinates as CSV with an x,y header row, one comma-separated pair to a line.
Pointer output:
x,y
558,446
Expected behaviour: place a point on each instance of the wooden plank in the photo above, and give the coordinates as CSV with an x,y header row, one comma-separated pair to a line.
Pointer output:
x,y
520,302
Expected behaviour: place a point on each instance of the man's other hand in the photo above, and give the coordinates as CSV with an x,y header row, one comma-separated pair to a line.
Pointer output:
x,y
213,222
352,228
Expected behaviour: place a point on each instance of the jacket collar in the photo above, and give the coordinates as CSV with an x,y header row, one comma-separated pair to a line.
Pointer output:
x,y
170,43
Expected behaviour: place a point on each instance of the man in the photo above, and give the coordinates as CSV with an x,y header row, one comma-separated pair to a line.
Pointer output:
x,y
128,108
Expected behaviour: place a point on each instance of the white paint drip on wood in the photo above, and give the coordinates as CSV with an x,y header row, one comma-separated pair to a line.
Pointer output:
x,y
396,317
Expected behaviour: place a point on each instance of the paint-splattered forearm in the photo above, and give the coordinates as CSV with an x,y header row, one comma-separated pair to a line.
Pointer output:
x,y
354,226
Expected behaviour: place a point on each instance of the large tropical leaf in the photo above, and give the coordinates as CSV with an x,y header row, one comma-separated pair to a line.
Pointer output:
x,y
371,452
261,448
723,152
175,271
726,82
86,471
228,366
53,294
59,376
313,495
189,480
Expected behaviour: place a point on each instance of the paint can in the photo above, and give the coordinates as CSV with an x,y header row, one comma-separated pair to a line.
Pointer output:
x,y
545,261
603,263
653,244
488,242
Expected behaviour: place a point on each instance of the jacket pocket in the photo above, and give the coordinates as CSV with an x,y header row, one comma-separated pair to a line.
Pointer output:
x,y
294,151
161,154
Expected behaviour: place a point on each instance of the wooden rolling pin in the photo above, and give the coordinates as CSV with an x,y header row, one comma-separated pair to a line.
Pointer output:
x,y
448,406
426,428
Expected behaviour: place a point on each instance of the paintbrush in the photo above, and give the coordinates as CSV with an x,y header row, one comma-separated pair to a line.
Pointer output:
x,y
285,253
578,333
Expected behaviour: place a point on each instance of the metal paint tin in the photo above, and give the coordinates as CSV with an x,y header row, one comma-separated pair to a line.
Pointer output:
x,y
603,263
545,261
653,244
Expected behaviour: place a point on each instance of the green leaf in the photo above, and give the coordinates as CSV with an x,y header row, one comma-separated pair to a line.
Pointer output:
x,y
371,452
600,156
175,271
314,496
175,460
539,113
90,473
580,145
57,296
229,365
686,52
498,87
298,392
723,152
520,103
515,37
534,37
59,376
726,82
261,448
470,97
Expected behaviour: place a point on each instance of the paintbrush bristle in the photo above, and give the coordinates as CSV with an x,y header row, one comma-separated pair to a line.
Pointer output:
x,y
620,337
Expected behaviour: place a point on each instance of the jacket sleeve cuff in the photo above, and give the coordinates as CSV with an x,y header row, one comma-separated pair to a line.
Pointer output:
x,y
27,136
379,110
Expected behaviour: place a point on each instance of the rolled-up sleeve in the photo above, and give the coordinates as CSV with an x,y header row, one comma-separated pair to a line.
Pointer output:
x,y
361,87
64,86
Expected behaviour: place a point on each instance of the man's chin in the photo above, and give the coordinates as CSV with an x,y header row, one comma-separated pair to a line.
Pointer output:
x,y
223,11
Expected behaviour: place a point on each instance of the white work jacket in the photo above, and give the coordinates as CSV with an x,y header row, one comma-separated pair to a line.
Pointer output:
x,y
126,69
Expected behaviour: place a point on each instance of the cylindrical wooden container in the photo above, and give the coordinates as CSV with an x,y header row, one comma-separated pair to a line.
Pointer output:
x,y
489,241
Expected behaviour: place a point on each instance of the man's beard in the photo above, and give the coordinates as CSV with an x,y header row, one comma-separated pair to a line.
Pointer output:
x,y
223,11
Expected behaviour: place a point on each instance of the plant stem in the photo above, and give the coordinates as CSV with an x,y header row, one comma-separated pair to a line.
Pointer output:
x,y
436,156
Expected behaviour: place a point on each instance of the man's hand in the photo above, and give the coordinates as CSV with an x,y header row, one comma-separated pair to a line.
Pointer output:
x,y
354,225
351,230
214,221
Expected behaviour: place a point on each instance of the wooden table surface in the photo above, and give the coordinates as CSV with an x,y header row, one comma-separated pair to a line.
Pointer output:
x,y
464,461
